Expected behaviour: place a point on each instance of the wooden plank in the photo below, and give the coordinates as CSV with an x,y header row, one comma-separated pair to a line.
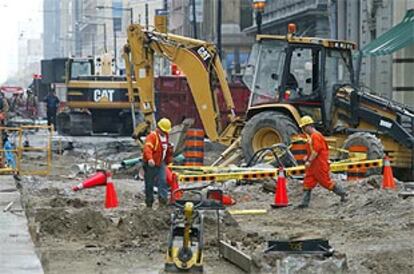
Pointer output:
x,y
236,257
247,211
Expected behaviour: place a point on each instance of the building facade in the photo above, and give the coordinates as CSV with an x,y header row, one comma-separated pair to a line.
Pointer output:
x,y
29,52
403,61
51,28
84,28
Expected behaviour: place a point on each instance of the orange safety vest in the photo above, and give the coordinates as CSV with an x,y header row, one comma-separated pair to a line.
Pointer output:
x,y
153,149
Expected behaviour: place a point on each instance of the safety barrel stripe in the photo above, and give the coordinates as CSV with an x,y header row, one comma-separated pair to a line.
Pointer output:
x,y
194,160
298,151
200,149
194,138
195,132
194,154
190,143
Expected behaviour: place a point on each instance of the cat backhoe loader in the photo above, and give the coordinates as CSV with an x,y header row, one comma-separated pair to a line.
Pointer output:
x,y
289,76
199,62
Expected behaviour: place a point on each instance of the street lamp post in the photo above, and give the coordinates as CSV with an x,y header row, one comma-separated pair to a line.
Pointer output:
x,y
259,6
130,10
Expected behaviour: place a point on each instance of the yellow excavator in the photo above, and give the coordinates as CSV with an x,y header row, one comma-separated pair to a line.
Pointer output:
x,y
289,76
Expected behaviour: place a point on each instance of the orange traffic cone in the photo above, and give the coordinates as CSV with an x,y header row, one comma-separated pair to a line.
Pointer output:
x,y
111,199
228,200
172,181
281,197
98,179
388,181
218,195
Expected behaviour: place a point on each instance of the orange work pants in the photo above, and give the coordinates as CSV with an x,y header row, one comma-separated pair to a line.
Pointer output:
x,y
318,173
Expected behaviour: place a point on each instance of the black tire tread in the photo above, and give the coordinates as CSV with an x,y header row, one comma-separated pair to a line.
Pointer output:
x,y
374,144
282,122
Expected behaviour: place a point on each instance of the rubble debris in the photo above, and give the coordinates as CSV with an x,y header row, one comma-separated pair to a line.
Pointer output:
x,y
367,230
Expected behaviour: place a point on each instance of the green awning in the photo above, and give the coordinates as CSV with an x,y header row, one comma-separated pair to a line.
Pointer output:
x,y
400,36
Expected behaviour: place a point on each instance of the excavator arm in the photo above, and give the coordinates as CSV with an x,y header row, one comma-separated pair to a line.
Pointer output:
x,y
200,63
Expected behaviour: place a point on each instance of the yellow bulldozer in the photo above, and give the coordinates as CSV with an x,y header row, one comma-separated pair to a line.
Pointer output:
x,y
289,76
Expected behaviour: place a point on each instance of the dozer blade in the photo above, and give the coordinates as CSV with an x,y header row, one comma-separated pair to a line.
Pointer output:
x,y
80,124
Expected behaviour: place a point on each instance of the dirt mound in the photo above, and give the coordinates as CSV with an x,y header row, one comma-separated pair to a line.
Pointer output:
x,y
374,228
63,202
400,261
61,213
88,224
368,226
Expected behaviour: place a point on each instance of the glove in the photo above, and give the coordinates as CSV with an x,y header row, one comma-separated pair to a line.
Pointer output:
x,y
151,163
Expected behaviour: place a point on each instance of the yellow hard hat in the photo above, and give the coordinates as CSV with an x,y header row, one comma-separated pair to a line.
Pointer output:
x,y
305,121
164,124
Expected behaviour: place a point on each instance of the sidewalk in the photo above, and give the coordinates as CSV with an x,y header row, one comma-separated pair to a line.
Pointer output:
x,y
17,252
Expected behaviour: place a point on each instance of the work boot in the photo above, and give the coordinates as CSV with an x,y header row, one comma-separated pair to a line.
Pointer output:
x,y
162,202
306,199
338,190
148,204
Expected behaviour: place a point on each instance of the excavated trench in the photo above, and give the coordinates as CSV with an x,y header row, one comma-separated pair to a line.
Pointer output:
x,y
76,233
72,232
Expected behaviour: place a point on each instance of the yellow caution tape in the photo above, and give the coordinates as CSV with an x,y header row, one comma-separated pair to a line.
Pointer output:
x,y
249,174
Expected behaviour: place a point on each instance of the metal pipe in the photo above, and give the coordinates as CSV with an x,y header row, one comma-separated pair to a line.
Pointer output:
x,y
194,18
131,14
115,53
259,22
219,27
146,16
93,45
128,74
105,45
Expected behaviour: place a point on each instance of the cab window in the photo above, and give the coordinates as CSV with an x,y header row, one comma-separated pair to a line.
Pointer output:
x,y
302,78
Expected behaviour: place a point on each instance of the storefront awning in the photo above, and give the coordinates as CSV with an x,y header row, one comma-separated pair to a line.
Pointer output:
x,y
400,36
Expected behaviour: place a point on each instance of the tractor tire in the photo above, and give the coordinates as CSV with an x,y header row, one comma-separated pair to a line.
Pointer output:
x,y
266,129
375,148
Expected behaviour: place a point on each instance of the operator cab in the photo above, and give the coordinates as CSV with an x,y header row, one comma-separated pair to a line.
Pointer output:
x,y
80,67
301,71
102,68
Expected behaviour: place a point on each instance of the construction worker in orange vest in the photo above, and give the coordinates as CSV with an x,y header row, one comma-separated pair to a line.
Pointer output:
x,y
157,155
317,164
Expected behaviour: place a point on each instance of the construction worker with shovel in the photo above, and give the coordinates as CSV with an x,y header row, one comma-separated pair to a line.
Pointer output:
x,y
157,155
317,164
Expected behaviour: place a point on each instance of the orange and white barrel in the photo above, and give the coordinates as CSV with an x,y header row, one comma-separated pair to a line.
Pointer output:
x,y
194,147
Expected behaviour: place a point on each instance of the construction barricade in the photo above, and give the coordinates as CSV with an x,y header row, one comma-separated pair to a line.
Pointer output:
x,y
255,174
18,156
